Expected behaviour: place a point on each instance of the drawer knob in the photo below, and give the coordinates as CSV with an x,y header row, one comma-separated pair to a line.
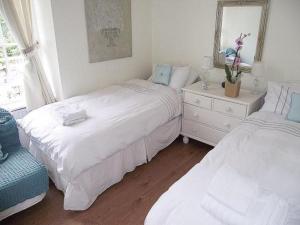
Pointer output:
x,y
229,109
196,115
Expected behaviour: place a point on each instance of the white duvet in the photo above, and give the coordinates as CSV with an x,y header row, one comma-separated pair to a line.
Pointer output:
x,y
117,116
265,148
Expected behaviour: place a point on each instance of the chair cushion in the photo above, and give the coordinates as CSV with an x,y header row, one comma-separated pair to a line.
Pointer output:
x,y
21,178
9,135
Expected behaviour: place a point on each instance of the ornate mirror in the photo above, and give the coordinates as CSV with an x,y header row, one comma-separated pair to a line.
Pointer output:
x,y
236,17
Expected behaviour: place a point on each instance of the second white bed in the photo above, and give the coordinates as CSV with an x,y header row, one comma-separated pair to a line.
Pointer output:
x,y
265,149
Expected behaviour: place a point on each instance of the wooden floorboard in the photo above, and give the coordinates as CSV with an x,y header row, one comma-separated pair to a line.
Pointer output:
x,y
126,203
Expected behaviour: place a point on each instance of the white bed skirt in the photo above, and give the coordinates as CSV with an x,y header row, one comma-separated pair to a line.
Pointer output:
x,y
83,191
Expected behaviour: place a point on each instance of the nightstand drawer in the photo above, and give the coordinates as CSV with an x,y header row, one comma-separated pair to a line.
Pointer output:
x,y
230,108
201,132
197,100
211,118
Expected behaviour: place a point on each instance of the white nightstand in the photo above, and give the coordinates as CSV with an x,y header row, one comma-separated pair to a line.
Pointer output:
x,y
209,115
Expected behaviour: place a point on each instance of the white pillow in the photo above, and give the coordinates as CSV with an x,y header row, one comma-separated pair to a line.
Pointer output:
x,y
193,77
150,78
179,77
279,96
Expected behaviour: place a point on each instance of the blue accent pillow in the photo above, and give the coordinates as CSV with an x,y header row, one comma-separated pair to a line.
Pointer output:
x,y
162,74
294,113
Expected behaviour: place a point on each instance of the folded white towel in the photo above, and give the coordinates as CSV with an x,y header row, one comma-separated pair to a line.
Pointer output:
x,y
73,121
268,209
190,212
237,204
70,114
234,190
223,213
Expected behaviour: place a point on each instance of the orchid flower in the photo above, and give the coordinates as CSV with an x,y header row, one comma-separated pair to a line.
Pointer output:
x,y
237,60
239,41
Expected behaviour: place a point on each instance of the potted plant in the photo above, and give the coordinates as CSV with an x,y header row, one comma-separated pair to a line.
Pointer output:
x,y
233,71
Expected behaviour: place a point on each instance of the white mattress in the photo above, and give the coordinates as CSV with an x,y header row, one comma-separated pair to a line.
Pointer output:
x,y
83,191
264,148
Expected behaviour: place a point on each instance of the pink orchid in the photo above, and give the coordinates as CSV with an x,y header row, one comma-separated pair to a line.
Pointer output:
x,y
239,41
237,61
238,47
234,72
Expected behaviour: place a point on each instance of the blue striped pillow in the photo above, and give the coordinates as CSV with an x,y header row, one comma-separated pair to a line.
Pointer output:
x,y
278,98
294,113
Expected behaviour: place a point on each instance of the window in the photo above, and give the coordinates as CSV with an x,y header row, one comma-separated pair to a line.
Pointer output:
x,y
11,71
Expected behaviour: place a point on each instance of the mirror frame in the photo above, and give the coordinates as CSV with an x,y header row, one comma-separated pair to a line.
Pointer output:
x,y
261,32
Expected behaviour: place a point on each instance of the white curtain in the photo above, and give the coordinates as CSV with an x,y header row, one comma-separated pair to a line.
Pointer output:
x,y
18,16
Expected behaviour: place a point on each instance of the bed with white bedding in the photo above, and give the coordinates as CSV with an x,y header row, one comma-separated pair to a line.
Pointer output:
x,y
127,125
265,151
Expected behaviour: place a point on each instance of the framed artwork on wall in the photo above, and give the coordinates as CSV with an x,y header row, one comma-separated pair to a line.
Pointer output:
x,y
109,29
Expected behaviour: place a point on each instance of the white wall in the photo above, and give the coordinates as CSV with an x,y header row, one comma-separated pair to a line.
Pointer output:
x,y
183,32
171,31
282,47
78,76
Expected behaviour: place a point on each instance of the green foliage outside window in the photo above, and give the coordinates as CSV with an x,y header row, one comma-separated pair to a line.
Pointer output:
x,y
12,51
6,33
11,70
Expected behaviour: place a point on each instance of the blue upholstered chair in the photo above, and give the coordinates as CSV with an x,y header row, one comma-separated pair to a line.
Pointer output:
x,y
23,180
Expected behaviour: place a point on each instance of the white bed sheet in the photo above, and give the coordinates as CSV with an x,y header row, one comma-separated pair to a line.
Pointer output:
x,y
264,148
83,191
117,116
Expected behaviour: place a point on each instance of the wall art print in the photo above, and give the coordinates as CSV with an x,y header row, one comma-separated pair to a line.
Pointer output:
x,y
109,29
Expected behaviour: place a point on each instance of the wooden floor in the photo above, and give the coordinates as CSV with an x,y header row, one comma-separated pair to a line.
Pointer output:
x,y
126,203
